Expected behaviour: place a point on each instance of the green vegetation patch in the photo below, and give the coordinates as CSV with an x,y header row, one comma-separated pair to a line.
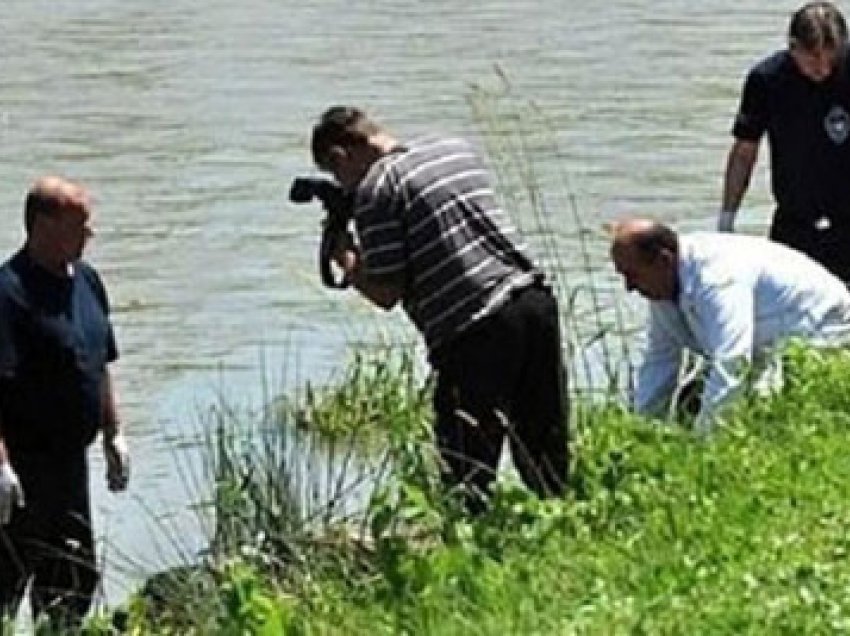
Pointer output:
x,y
380,384
663,533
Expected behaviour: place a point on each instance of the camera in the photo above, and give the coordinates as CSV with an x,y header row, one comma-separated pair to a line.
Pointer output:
x,y
333,197
339,206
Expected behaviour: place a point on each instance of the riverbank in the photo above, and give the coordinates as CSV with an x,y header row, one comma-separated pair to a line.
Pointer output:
x,y
661,533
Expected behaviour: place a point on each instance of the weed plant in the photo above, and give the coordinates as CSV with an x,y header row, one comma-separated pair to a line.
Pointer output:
x,y
539,194
380,383
664,533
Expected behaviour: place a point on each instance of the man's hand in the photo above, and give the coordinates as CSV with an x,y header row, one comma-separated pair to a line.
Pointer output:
x,y
11,493
345,252
346,255
117,461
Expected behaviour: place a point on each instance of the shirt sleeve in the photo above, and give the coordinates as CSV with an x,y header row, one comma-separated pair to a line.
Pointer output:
x,y
752,117
103,298
724,316
659,369
378,218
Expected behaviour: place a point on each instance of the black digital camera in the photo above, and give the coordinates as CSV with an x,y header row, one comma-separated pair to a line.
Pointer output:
x,y
339,206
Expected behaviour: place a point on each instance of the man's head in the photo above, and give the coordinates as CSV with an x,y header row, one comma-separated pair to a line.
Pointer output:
x,y
346,143
646,255
57,218
817,38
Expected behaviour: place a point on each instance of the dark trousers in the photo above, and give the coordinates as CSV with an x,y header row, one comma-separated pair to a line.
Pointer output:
x,y
505,378
829,247
50,541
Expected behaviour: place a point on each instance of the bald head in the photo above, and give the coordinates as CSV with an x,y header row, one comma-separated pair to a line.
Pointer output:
x,y
58,220
646,254
52,196
646,236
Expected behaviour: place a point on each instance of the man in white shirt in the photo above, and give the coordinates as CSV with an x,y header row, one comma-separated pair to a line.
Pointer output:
x,y
732,299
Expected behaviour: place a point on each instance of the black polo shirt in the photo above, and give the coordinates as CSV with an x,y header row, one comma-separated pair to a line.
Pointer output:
x,y
55,343
808,128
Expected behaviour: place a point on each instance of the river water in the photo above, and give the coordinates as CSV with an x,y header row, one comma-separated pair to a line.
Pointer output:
x,y
188,120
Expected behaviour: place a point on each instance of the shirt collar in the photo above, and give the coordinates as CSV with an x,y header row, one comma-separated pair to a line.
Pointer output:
x,y
30,268
686,269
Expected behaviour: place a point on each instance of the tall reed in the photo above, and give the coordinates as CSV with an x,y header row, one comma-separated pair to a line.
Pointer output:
x,y
538,192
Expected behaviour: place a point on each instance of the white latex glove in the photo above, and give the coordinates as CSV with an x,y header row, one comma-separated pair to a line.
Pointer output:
x,y
11,493
726,220
117,461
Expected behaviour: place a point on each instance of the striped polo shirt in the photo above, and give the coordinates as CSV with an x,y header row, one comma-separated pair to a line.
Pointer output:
x,y
427,215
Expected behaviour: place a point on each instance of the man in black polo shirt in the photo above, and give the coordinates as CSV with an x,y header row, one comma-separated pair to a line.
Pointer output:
x,y
55,395
431,236
801,98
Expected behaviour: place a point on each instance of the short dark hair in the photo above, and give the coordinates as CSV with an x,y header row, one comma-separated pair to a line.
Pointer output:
x,y
340,126
816,25
651,241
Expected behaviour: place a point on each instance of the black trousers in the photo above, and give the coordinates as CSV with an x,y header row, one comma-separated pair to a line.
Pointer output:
x,y
505,378
829,247
50,540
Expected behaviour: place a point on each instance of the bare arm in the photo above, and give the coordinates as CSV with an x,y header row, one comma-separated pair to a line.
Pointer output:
x,y
114,444
110,419
383,294
739,169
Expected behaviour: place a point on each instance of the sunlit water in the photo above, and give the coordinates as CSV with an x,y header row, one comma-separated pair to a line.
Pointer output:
x,y
188,120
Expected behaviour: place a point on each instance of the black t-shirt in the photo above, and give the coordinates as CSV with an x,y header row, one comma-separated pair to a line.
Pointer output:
x,y
55,343
808,128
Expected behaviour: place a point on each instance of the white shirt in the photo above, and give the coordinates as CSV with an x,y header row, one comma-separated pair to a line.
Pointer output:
x,y
739,297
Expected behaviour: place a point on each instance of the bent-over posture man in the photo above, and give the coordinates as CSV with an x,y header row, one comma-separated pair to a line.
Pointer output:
x,y
731,299
431,237
55,396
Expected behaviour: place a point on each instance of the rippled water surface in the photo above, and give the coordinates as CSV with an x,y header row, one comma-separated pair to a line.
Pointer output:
x,y
188,119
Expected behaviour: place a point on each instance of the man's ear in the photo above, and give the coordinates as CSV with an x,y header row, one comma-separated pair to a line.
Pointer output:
x,y
337,154
668,257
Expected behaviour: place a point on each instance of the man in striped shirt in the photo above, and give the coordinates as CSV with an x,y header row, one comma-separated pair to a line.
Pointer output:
x,y
431,236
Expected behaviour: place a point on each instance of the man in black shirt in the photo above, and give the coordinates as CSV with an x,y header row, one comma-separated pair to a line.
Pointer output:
x,y
55,395
801,98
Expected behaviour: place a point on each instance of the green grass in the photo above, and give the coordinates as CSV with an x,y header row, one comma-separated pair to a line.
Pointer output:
x,y
379,383
663,533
